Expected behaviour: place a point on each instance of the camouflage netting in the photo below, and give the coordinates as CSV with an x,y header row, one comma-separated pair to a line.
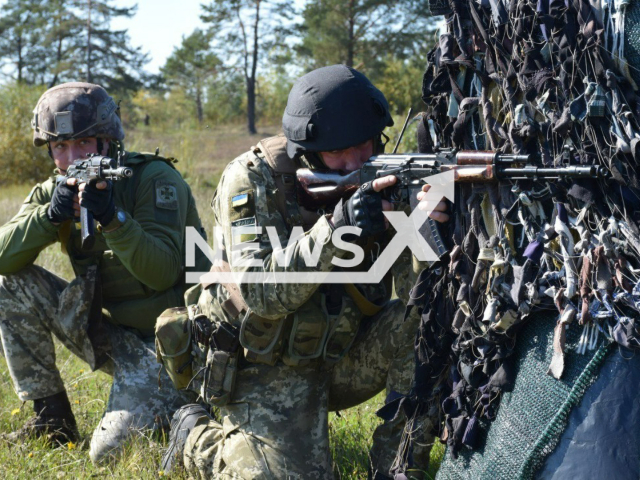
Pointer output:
x,y
548,79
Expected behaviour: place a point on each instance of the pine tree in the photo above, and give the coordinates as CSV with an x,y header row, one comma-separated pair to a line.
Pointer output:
x,y
363,33
191,66
109,59
63,28
245,31
52,41
21,30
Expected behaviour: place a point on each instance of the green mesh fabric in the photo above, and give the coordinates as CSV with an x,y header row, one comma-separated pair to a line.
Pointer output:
x,y
632,40
532,417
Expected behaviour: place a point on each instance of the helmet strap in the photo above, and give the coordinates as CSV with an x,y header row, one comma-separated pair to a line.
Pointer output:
x,y
314,160
378,143
116,147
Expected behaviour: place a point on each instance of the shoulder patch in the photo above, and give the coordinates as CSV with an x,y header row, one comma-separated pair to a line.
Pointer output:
x,y
243,230
166,195
239,200
242,205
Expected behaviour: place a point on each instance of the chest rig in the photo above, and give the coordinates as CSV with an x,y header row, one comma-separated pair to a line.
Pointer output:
x,y
322,328
273,151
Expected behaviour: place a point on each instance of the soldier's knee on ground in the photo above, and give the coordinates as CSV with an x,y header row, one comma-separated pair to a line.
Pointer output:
x,y
201,449
137,403
111,435
28,281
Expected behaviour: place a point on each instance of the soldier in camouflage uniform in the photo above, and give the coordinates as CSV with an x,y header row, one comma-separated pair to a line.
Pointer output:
x,y
106,315
307,349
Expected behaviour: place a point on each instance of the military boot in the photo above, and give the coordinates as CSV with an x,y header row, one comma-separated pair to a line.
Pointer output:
x,y
53,419
182,423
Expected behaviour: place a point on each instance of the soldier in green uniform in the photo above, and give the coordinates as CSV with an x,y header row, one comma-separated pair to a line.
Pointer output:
x,y
304,348
106,315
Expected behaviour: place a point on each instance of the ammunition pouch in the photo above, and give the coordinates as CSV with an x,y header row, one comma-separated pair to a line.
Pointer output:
x,y
198,354
311,334
221,365
261,338
173,345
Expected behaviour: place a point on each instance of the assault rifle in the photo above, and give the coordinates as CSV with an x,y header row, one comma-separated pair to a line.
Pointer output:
x,y
92,170
325,188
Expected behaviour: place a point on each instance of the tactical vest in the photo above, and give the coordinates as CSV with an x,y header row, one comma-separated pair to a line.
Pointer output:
x,y
126,300
325,326
273,150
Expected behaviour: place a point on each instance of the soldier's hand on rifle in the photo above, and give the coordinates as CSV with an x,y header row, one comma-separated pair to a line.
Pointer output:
x,y
364,208
98,199
64,203
439,213
380,184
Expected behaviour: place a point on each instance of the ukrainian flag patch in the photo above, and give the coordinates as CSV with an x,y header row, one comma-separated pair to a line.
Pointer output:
x,y
240,200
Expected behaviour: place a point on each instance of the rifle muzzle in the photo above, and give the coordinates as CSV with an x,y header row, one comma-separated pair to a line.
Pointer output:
x,y
120,172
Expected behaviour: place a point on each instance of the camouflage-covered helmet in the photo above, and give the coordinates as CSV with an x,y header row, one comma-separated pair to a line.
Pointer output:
x,y
75,110
332,108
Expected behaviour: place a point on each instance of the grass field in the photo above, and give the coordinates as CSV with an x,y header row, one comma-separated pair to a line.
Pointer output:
x,y
203,156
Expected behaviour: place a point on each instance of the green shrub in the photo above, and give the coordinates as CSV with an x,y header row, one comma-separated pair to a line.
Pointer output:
x,y
20,161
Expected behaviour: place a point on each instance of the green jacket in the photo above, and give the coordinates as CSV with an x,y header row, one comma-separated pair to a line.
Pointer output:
x,y
140,263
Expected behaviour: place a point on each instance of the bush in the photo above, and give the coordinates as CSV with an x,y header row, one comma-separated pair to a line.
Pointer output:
x,y
20,161
167,111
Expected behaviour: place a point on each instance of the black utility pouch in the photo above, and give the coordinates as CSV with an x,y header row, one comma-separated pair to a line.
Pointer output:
x,y
222,365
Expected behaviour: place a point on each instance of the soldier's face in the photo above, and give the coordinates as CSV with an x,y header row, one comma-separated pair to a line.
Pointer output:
x,y
65,152
349,159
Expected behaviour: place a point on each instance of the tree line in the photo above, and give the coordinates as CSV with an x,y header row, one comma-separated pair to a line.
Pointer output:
x,y
238,67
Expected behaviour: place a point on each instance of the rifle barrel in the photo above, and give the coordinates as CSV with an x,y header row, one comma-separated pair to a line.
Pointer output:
x,y
536,172
479,157
120,172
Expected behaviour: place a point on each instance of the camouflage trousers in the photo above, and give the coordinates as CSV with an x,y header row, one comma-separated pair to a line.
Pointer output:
x,y
36,304
277,425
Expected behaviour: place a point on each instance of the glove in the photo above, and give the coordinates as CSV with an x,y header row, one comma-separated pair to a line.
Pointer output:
x,y
362,210
99,202
61,207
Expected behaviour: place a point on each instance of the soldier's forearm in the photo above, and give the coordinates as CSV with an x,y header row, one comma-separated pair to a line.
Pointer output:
x,y
278,299
24,237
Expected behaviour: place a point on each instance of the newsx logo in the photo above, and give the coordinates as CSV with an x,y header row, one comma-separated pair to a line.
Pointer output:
x,y
407,236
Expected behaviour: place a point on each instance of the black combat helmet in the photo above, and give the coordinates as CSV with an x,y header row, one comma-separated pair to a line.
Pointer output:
x,y
332,108
75,110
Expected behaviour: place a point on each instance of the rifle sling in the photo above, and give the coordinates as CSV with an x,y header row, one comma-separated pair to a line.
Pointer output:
x,y
64,234
367,307
235,304
273,150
